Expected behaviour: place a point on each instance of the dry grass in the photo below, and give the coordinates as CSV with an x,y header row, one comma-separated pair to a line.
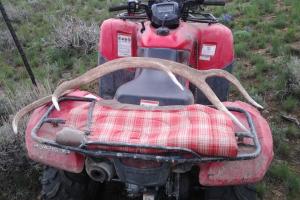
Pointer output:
x,y
16,14
72,32
26,94
294,76
6,41
19,173
14,101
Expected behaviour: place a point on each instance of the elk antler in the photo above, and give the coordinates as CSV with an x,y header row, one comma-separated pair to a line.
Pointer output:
x,y
197,77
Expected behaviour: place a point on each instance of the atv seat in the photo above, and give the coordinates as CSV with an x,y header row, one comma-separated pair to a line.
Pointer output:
x,y
154,85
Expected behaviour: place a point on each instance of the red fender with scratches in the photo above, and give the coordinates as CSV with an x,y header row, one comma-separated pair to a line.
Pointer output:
x,y
243,171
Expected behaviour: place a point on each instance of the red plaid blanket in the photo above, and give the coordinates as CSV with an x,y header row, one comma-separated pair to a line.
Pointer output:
x,y
200,128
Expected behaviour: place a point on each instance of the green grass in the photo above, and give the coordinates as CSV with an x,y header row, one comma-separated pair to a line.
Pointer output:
x,y
36,33
291,35
281,147
291,103
241,50
281,21
265,6
260,63
282,173
293,132
261,189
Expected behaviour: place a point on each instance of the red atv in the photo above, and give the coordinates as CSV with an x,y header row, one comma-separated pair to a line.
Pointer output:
x,y
149,134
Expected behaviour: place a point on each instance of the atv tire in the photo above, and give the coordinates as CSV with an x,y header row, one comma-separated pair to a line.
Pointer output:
x,y
60,185
246,192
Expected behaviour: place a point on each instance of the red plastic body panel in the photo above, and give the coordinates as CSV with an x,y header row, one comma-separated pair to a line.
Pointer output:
x,y
246,171
191,37
61,159
108,38
221,36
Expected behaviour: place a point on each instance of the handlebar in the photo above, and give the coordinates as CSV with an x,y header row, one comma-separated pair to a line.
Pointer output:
x,y
214,2
118,7
205,2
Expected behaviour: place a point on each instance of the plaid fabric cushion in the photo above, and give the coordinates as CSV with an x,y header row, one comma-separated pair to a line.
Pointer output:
x,y
202,129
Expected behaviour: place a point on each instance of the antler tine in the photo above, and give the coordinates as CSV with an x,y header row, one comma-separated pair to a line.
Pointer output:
x,y
25,110
212,97
228,76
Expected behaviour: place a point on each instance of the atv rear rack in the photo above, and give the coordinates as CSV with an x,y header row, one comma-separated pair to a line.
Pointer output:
x,y
168,154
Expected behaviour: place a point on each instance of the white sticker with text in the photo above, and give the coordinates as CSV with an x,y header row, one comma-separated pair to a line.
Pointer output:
x,y
149,103
208,50
124,45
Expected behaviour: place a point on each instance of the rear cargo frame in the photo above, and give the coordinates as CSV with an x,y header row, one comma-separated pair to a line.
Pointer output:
x,y
174,155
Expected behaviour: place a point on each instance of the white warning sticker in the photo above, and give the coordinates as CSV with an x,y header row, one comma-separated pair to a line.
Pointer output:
x,y
149,103
208,50
124,45
148,197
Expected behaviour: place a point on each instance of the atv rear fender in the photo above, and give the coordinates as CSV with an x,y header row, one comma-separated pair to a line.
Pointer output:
x,y
246,171
211,174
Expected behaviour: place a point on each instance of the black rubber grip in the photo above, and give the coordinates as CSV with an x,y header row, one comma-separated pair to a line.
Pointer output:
x,y
214,2
118,8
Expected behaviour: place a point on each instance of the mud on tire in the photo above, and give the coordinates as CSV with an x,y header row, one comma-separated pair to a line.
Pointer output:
x,y
60,185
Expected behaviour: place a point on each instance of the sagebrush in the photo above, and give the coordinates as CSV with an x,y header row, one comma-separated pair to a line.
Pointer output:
x,y
72,32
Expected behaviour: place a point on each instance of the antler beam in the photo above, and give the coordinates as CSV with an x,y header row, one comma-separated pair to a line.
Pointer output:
x,y
197,77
